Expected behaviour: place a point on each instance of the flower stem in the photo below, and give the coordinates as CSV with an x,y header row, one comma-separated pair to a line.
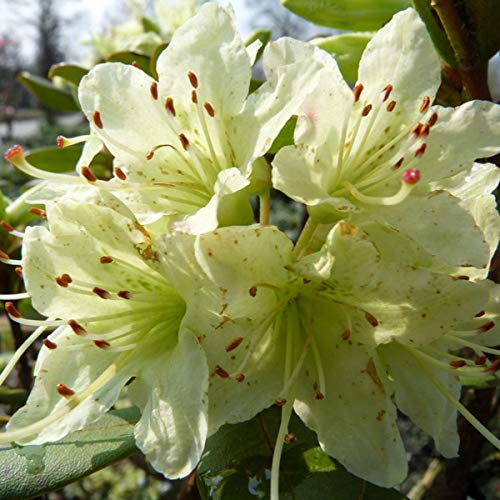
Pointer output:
x,y
305,237
472,71
286,413
265,208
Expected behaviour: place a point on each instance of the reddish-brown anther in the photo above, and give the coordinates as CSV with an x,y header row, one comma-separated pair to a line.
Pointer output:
x,y
169,105
290,437
124,294
194,97
415,131
494,367
209,109
486,327
358,88
424,132
39,212
391,106
319,395
253,291
280,401
120,174
463,277
420,150
12,311
399,162
64,390
97,119
458,363
426,102
19,272
106,259
104,294
371,319
193,79
240,377
433,119
64,280
4,255
76,327
410,176
184,141
480,314
480,361
234,344
49,344
386,92
102,344
346,334
218,370
366,110
88,174
6,226
154,91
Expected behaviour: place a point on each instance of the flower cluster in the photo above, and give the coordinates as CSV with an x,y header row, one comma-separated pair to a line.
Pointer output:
x,y
159,280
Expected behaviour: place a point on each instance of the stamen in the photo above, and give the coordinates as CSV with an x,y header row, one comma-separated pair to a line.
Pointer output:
x,y
386,92
424,132
371,319
480,314
391,106
319,395
49,344
193,79
76,327
234,344
486,327
154,91
433,119
64,390
420,150
366,110
426,101
480,361
218,370
106,259
346,334
169,105
12,311
280,402
240,377
399,163
358,88
6,226
494,367
14,296
290,437
184,141
104,294
209,109
97,119
19,272
459,363
120,174
194,97
88,174
124,294
102,344
253,291
64,280
39,212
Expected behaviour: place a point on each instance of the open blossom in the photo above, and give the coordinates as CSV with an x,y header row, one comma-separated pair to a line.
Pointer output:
x,y
185,145
373,153
338,335
118,320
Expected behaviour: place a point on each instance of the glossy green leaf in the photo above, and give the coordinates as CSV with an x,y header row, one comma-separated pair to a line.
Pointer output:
x,y
48,95
34,470
359,15
237,462
69,72
138,60
346,50
264,36
10,396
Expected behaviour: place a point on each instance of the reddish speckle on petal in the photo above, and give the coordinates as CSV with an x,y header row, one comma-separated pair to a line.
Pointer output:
x,y
410,176
97,119
64,390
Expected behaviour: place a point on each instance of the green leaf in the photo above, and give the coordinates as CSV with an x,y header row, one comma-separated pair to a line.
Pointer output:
x,y
48,95
34,470
10,396
127,57
359,15
346,50
154,59
264,36
69,72
237,462
285,137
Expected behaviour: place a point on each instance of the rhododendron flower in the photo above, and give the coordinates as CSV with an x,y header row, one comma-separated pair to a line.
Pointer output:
x,y
330,334
372,153
96,277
